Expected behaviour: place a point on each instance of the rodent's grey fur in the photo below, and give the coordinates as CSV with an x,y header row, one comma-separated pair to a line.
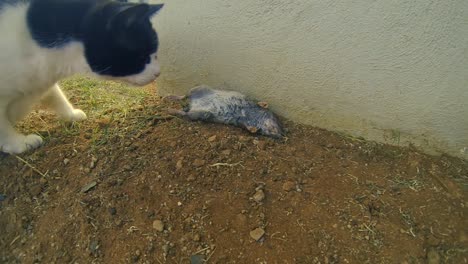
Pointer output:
x,y
229,107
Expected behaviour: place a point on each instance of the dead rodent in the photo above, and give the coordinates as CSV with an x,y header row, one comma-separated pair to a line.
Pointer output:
x,y
228,107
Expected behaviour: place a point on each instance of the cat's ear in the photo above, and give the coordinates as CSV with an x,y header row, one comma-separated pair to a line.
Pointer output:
x,y
129,15
154,9
133,14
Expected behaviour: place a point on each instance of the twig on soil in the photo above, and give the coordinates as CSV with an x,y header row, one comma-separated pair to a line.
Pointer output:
x,y
279,238
201,250
32,167
210,255
301,225
132,229
440,182
368,228
453,251
205,216
14,240
272,235
354,177
226,164
412,184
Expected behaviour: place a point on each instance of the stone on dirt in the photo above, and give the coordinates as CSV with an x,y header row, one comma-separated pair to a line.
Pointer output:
x,y
289,186
257,233
88,187
158,225
259,196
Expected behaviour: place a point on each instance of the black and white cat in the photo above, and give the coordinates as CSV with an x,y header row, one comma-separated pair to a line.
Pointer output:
x,y
44,41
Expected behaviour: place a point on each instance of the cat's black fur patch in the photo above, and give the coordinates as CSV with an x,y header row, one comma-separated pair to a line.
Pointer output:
x,y
53,23
118,37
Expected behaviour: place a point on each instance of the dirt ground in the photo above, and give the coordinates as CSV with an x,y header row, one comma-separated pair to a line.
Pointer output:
x,y
133,185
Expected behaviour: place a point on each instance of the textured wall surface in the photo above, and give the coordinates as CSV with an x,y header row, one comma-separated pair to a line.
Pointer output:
x,y
391,71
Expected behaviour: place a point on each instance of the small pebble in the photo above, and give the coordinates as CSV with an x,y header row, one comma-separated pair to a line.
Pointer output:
x,y
259,196
165,249
226,152
257,234
88,187
289,186
158,225
119,223
92,165
66,161
93,247
198,163
179,165
191,178
112,210
243,139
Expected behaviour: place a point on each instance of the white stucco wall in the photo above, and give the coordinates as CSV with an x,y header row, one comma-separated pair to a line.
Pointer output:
x,y
386,70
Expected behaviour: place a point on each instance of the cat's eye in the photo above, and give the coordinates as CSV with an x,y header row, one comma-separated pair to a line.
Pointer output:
x,y
155,57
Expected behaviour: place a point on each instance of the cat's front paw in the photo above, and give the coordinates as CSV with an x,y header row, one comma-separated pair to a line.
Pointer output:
x,y
75,115
21,143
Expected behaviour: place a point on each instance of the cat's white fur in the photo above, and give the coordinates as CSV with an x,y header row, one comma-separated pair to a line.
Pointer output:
x,y
29,75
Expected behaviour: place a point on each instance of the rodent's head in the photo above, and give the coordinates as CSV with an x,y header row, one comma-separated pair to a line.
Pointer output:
x,y
266,123
272,127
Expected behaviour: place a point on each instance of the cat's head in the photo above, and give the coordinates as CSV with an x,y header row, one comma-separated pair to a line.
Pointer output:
x,y
121,43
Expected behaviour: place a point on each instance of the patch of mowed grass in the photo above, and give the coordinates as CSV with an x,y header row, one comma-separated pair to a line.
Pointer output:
x,y
97,97
115,112
102,100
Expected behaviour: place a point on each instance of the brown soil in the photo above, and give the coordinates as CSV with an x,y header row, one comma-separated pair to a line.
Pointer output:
x,y
171,191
